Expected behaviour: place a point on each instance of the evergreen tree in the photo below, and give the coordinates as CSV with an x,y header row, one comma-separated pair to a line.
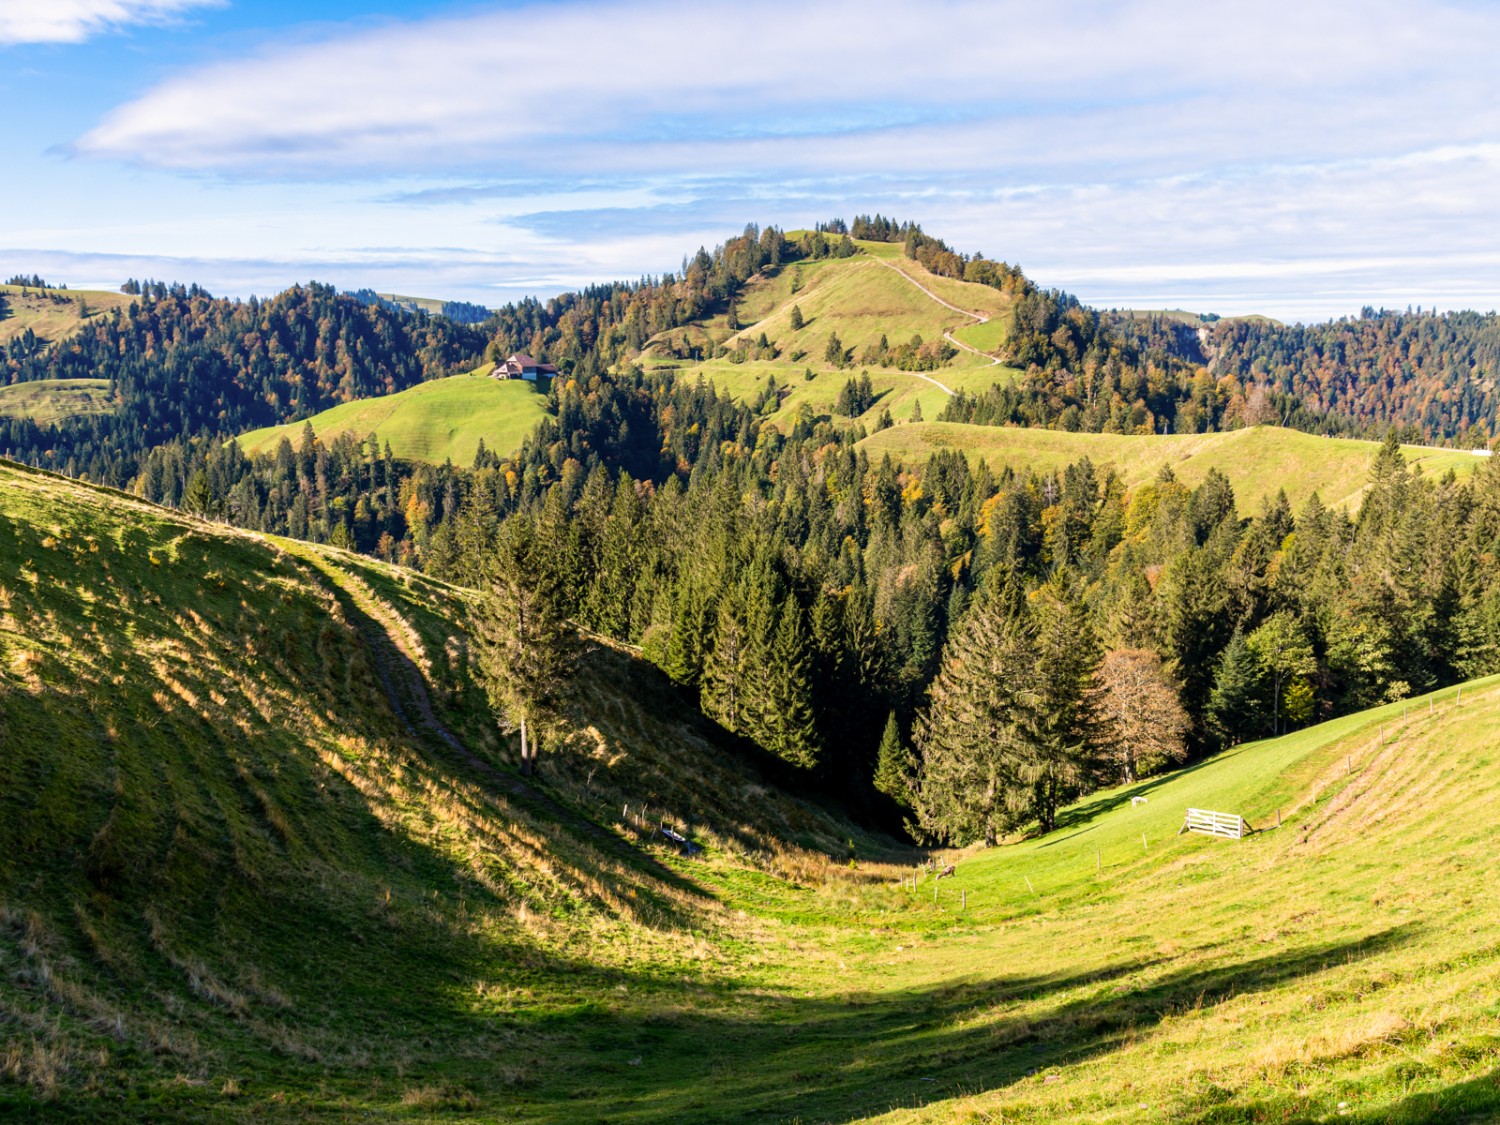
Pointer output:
x,y
1236,703
833,354
973,737
1285,655
523,647
791,732
894,765
796,318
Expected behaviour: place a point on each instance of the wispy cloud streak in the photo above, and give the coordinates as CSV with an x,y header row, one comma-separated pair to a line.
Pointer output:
x,y
73,21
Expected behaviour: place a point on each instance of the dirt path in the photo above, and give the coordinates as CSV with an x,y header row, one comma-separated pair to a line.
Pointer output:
x,y
952,339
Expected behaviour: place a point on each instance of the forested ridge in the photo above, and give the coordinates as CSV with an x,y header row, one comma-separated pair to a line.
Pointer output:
x,y
804,595
965,645
183,365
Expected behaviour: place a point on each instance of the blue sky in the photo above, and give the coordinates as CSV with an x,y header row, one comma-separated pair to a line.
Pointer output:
x,y
1301,159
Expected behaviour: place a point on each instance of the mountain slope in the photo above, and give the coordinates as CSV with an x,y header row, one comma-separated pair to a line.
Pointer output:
x,y
437,421
257,830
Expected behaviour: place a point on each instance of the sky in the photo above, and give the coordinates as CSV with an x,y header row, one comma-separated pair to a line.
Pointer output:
x,y
1297,158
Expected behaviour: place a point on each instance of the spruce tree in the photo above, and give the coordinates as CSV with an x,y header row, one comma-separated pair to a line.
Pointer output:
x,y
788,722
974,736
524,648
797,321
894,765
834,353
1236,702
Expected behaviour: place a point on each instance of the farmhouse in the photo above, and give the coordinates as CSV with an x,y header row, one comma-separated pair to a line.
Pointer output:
x,y
522,366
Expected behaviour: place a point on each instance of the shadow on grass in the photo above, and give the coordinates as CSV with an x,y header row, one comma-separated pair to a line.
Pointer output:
x,y
830,1060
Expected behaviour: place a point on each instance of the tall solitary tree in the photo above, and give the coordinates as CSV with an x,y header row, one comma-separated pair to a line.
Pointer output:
x,y
1142,705
523,645
973,736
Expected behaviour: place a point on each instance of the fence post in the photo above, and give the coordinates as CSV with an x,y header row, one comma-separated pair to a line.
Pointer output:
x,y
964,902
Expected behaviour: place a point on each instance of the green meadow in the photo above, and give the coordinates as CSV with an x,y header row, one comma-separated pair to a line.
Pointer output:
x,y
1259,460
47,401
264,857
441,420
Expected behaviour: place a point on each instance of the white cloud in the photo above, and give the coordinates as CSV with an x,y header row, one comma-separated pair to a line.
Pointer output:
x,y
1299,157
975,83
73,21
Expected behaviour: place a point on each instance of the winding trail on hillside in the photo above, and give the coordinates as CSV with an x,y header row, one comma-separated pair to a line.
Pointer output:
x,y
949,336
405,688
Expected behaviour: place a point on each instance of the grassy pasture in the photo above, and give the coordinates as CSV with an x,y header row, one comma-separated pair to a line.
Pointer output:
x,y
444,419
46,401
1258,461
243,878
52,313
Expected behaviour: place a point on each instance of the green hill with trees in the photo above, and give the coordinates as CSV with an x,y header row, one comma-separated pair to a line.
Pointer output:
x,y
265,855
447,419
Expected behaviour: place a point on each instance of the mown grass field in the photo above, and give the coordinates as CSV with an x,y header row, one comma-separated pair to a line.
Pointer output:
x,y
262,858
437,421
53,313
51,400
1258,461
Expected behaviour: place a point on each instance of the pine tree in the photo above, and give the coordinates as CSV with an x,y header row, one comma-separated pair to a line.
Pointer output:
x,y
1236,702
894,765
726,666
973,737
523,647
788,722
834,353
1066,722
797,321
199,497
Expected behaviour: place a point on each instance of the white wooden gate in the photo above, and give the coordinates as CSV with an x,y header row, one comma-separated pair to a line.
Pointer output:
x,y
1215,824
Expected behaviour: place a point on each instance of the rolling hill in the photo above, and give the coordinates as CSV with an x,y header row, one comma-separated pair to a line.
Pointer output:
x,y
1258,461
53,313
436,421
261,858
877,293
47,401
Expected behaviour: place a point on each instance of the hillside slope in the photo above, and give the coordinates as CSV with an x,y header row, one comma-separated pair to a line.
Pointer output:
x,y
441,420
53,313
261,858
258,835
1258,461
877,293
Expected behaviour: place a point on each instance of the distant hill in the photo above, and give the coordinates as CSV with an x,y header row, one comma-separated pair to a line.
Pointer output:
x,y
48,401
1260,461
49,315
441,420
184,367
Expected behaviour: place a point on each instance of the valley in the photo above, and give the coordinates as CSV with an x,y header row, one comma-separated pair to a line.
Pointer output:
x,y
492,947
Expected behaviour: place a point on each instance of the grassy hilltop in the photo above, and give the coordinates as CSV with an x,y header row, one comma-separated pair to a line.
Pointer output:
x,y
53,313
437,421
262,858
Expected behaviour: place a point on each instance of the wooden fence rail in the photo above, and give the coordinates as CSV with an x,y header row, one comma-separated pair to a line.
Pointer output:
x,y
1215,824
